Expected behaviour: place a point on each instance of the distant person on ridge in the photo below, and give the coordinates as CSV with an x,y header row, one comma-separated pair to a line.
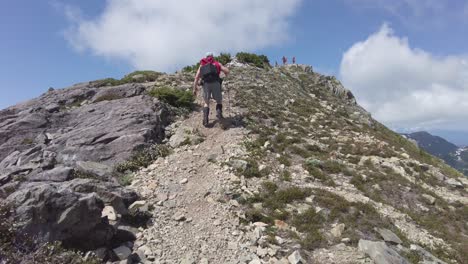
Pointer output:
x,y
294,60
209,72
285,60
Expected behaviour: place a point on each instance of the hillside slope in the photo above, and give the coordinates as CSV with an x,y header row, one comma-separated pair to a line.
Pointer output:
x,y
297,173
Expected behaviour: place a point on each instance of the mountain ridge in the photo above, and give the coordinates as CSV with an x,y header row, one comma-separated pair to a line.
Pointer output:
x,y
453,155
297,173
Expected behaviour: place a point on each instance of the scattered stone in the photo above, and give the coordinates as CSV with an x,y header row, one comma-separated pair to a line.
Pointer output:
x,y
281,225
380,252
346,240
240,165
279,240
295,258
188,260
212,158
136,205
260,224
262,252
255,261
430,199
101,253
454,183
162,197
283,261
257,206
109,212
183,181
146,250
337,230
388,235
204,261
179,217
122,252
272,252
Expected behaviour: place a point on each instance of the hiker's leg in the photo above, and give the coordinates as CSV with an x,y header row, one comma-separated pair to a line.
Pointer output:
x,y
206,106
218,96
206,95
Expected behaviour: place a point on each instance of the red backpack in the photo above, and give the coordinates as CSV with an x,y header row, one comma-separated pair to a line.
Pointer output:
x,y
210,70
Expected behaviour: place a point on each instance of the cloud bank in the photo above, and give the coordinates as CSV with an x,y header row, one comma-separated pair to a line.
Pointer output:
x,y
405,87
164,35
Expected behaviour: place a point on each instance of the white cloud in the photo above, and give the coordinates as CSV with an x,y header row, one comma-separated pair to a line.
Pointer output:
x,y
406,87
164,35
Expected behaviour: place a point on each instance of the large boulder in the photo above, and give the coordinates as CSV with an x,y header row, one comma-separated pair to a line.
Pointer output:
x,y
380,253
57,158
69,212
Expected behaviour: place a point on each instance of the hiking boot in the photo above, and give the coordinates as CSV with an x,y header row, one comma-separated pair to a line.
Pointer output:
x,y
219,111
206,113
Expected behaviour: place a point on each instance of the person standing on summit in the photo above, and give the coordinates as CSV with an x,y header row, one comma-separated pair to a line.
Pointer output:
x,y
209,72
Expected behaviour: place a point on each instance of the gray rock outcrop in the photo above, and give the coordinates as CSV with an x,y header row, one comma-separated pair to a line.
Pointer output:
x,y
57,154
380,253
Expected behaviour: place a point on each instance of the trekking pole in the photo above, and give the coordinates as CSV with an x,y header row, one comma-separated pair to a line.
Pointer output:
x,y
229,99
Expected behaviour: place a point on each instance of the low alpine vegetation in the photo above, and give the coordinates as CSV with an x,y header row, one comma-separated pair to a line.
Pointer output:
x,y
223,58
143,158
134,77
174,97
260,61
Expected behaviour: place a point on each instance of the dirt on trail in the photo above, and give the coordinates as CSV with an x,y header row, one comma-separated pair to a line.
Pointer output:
x,y
194,219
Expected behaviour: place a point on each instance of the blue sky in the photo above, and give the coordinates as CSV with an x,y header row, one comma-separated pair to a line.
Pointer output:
x,y
368,44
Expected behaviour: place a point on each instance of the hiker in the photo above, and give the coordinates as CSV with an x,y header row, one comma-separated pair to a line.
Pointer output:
x,y
294,60
276,63
285,60
209,72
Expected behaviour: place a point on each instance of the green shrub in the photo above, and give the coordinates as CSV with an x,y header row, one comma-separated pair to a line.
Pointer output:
x,y
332,166
260,61
300,151
106,82
125,179
174,97
191,68
223,58
252,169
134,77
283,159
286,175
309,222
269,187
78,174
141,76
143,158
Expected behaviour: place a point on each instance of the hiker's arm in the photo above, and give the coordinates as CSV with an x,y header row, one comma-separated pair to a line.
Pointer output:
x,y
224,69
195,83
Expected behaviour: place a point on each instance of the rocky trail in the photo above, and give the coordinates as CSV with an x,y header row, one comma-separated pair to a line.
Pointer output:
x,y
194,219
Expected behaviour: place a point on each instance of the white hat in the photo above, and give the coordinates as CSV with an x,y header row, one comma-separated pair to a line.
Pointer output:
x,y
209,54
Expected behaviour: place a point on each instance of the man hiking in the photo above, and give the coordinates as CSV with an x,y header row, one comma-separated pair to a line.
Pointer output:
x,y
209,72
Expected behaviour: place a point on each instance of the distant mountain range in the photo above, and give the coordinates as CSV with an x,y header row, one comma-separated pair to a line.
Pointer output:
x,y
453,155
